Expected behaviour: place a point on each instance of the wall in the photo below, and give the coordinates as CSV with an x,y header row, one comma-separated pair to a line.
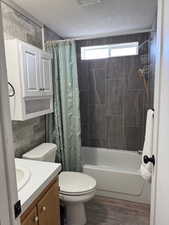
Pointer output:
x,y
16,25
112,95
50,35
31,133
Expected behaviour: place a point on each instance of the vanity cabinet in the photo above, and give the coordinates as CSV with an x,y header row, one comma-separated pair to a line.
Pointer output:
x,y
48,207
29,71
45,210
32,218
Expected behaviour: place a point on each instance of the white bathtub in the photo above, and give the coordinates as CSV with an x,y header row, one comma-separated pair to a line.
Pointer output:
x,y
117,173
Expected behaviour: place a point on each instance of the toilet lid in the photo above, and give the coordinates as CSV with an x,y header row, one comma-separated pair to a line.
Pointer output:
x,y
76,183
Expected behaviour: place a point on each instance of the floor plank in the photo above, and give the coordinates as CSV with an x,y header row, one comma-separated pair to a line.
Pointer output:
x,y
108,211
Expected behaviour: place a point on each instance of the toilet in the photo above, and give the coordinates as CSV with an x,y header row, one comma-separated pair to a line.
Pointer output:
x,y
75,188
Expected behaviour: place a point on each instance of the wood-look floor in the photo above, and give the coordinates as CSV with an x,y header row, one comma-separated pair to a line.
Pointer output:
x,y
108,211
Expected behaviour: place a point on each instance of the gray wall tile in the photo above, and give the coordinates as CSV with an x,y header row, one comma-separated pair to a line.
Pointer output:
x,y
97,85
114,132
116,68
83,76
115,92
97,122
28,134
84,139
134,108
134,138
84,97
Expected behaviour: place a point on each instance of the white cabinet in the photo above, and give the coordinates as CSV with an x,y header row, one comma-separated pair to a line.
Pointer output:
x,y
46,69
29,71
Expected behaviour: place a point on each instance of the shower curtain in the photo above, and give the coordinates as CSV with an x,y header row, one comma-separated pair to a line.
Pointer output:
x,y
64,124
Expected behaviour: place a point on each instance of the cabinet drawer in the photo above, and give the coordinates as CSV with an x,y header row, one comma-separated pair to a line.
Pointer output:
x,y
48,207
31,218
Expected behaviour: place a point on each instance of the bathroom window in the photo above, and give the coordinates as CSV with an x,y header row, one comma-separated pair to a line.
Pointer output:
x,y
108,51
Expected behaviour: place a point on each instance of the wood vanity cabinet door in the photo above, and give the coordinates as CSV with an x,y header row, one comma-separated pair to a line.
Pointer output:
x,y
48,207
31,218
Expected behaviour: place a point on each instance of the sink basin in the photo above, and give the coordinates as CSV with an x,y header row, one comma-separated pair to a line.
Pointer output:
x,y
22,176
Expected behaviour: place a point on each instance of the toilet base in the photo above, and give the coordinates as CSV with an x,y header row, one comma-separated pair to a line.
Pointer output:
x,y
75,213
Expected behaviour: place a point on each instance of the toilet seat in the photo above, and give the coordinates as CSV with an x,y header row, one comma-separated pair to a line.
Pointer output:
x,y
77,193
76,184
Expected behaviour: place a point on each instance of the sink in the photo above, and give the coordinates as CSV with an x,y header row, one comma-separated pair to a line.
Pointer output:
x,y
22,176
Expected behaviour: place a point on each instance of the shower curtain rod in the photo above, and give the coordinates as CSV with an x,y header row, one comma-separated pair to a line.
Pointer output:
x,y
61,40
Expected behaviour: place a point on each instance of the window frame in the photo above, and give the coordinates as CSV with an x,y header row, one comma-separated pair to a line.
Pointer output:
x,y
109,47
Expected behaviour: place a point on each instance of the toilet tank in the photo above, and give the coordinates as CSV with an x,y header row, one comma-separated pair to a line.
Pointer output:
x,y
44,152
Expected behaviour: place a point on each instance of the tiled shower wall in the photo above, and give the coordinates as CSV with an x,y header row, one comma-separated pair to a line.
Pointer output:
x,y
30,133
113,98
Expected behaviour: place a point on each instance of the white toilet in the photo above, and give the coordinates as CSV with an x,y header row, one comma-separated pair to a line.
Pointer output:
x,y
75,188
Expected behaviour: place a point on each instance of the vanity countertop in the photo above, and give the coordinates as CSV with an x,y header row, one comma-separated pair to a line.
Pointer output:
x,y
42,173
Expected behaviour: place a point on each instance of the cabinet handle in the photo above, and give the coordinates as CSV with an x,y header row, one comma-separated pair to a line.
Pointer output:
x,y
36,219
40,89
43,208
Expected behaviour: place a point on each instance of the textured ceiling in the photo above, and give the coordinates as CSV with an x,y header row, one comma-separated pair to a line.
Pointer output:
x,y
69,19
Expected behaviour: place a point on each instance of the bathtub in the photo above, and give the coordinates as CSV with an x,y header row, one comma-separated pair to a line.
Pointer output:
x,y
116,173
